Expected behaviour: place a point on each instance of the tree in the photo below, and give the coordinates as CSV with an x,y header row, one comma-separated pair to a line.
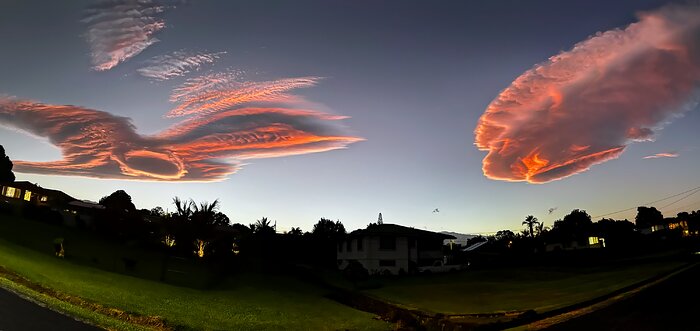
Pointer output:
x,y
329,230
6,174
157,211
263,227
647,216
119,201
575,226
295,232
531,222
504,235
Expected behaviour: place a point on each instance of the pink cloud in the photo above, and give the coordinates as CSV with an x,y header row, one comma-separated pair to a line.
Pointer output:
x,y
212,93
207,147
121,29
584,106
662,155
176,64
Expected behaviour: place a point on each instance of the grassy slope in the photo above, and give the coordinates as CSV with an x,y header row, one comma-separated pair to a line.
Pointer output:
x,y
243,302
489,291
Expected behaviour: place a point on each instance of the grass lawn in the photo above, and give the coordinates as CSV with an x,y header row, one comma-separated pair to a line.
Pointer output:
x,y
247,301
540,289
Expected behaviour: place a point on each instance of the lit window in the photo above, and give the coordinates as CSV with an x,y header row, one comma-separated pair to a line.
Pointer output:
x,y
27,195
44,198
10,192
592,240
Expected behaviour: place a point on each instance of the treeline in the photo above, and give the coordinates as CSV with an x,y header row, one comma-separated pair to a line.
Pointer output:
x,y
202,231
575,231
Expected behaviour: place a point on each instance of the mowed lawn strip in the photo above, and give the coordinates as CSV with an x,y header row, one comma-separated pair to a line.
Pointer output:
x,y
489,291
245,302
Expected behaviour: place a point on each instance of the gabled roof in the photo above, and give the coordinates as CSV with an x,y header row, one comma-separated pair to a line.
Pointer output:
x,y
399,231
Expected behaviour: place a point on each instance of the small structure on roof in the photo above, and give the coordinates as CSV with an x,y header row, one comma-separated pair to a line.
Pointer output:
x,y
391,248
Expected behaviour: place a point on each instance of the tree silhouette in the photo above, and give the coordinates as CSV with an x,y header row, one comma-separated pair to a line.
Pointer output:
x,y
647,216
263,227
531,222
329,230
119,201
6,174
295,232
576,225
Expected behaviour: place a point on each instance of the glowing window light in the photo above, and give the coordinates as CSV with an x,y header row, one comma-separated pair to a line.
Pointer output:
x,y
27,195
10,192
592,240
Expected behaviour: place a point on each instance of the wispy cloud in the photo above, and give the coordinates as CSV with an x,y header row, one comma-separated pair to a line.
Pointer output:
x,y
217,92
176,64
662,155
120,29
585,105
98,144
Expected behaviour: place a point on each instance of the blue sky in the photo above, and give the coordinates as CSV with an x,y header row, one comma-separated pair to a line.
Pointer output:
x,y
414,77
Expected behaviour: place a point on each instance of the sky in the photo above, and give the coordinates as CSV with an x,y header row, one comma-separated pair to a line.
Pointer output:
x,y
488,111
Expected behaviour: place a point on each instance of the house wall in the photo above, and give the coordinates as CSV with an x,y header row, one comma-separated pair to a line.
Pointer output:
x,y
372,257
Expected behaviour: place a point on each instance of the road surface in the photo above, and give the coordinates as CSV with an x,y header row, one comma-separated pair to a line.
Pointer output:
x,y
671,305
18,314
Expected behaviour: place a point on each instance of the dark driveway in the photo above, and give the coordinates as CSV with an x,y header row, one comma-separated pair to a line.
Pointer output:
x,y
671,305
18,314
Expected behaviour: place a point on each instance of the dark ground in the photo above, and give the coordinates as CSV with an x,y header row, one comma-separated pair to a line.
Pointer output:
x,y
671,305
18,314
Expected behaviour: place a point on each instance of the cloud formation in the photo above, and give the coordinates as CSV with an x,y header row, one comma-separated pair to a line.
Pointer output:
x,y
212,93
208,147
121,29
176,64
584,106
662,155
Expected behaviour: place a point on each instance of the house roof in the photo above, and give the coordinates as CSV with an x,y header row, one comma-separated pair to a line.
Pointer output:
x,y
25,185
398,230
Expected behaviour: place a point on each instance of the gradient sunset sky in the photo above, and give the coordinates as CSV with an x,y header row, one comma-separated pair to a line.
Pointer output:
x,y
297,110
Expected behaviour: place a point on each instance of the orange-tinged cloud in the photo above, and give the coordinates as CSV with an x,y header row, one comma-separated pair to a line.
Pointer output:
x,y
98,144
218,92
662,155
583,106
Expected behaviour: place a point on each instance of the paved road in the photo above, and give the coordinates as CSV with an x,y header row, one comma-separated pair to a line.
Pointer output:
x,y
671,305
18,314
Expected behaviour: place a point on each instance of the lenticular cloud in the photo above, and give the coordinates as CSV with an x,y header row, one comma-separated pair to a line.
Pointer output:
x,y
121,29
176,64
585,105
206,147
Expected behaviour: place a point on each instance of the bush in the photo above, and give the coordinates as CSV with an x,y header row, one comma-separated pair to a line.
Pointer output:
x,y
355,271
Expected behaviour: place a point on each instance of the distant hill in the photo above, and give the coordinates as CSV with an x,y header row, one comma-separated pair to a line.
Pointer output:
x,y
461,237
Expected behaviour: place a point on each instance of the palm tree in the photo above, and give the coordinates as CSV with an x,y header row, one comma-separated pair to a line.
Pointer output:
x,y
263,227
205,213
183,209
531,222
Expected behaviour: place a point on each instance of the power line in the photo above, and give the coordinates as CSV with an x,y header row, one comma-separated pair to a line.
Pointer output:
x,y
685,207
685,197
651,203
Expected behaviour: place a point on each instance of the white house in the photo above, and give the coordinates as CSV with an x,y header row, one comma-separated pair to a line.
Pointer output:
x,y
389,248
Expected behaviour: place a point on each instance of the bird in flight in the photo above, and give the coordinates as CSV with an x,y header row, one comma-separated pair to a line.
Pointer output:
x,y
436,210
551,210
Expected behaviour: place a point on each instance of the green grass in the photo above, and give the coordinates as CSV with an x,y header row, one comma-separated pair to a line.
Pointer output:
x,y
488,291
69,309
244,302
